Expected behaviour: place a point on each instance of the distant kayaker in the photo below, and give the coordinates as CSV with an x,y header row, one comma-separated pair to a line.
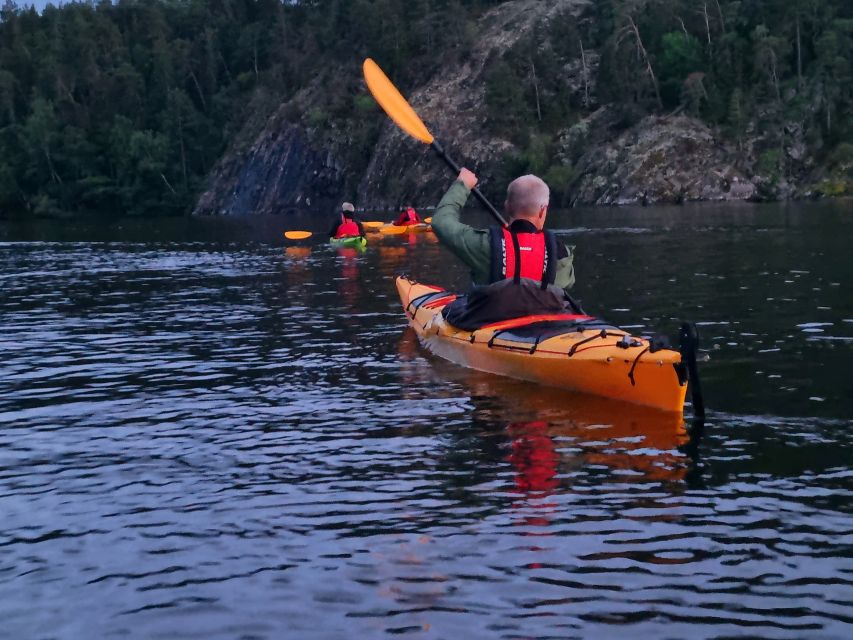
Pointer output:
x,y
408,216
518,271
348,226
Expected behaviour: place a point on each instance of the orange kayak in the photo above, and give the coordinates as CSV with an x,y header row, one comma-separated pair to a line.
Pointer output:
x,y
417,227
575,352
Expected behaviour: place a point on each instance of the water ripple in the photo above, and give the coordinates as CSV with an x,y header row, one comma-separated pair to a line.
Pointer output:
x,y
220,438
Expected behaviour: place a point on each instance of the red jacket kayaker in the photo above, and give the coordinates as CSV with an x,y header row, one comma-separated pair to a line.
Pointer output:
x,y
348,226
408,217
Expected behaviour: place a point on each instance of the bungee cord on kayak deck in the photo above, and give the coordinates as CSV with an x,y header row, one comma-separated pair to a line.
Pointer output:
x,y
545,351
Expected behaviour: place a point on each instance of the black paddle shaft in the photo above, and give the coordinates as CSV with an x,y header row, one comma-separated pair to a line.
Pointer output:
x,y
477,194
689,339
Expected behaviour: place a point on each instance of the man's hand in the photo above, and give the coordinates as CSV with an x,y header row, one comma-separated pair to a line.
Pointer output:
x,y
468,178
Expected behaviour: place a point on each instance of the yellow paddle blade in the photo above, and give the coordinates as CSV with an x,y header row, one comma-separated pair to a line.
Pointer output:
x,y
392,230
428,220
394,104
297,235
373,224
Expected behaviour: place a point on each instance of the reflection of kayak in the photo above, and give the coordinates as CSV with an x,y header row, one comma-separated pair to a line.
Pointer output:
x,y
356,242
297,253
568,351
618,435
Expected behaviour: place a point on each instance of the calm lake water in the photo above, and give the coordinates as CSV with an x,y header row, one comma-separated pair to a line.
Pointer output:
x,y
206,432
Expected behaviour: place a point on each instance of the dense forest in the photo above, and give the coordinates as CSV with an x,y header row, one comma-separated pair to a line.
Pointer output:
x,y
775,73
125,107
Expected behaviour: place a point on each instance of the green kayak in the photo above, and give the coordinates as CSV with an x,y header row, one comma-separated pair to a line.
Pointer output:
x,y
356,242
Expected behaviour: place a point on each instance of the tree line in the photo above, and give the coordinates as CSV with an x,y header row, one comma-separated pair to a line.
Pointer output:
x,y
772,73
122,108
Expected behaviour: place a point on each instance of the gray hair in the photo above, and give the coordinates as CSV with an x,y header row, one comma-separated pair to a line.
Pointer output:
x,y
526,195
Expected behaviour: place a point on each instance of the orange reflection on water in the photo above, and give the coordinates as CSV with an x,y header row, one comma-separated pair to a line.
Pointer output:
x,y
621,436
393,259
298,267
297,253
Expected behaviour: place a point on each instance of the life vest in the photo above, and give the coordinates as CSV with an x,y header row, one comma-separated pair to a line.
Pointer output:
x,y
408,217
521,251
347,228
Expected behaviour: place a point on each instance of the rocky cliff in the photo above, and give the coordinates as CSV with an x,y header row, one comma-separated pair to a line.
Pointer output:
x,y
660,159
300,162
453,105
281,172
290,165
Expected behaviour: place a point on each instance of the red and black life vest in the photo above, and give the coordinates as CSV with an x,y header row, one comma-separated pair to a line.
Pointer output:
x,y
408,217
522,251
347,228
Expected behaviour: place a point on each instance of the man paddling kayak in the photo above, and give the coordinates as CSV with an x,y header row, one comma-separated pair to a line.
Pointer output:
x,y
348,226
517,271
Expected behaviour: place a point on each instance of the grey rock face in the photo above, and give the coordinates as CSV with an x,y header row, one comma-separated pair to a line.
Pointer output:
x,y
618,154
281,172
659,160
452,105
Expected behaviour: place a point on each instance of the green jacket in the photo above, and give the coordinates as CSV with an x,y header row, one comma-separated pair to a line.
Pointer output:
x,y
472,246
